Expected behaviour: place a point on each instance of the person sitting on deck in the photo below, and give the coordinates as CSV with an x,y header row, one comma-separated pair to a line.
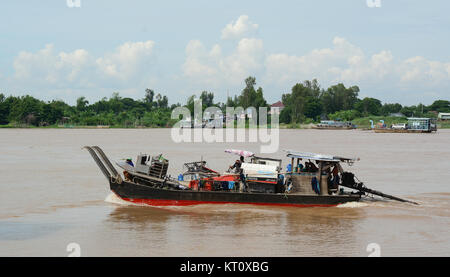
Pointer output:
x,y
310,167
307,166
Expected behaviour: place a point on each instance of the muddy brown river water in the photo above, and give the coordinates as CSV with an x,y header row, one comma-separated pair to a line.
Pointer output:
x,y
53,194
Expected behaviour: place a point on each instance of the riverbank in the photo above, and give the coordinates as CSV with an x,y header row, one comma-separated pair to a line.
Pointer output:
x,y
361,123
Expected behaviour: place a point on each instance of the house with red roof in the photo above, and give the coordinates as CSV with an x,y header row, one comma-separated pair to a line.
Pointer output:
x,y
278,105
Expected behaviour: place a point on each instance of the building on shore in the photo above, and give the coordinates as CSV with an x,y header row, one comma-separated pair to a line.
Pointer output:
x,y
444,116
278,105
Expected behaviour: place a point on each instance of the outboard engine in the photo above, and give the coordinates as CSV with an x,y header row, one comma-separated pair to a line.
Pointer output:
x,y
348,179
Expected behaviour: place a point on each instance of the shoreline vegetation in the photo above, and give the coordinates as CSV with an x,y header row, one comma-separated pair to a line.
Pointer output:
x,y
298,126
305,105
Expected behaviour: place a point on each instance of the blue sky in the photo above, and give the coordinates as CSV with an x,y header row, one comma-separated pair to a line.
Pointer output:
x,y
397,52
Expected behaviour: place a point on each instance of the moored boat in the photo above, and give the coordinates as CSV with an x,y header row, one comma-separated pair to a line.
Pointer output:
x,y
334,125
414,125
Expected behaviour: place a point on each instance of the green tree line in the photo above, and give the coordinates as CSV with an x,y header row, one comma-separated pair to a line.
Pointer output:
x,y
306,102
151,111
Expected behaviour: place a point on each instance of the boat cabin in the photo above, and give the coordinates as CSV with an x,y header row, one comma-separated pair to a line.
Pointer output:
x,y
318,174
422,124
262,175
155,166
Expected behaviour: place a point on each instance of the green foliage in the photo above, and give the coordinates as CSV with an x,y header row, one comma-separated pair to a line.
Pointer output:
x,y
250,97
369,106
387,108
4,109
348,115
303,101
442,106
207,99
338,98
285,115
306,103
115,111
313,108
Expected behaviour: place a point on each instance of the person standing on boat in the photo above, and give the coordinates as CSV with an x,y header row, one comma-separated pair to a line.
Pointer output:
x,y
237,166
336,178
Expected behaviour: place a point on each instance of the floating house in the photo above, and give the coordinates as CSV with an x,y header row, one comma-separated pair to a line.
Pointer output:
x,y
422,124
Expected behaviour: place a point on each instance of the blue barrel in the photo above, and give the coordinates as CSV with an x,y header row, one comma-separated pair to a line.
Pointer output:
x,y
180,177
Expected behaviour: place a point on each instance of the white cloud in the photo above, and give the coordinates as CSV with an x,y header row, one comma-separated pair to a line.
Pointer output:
x,y
78,68
342,62
46,66
345,62
214,68
419,69
240,28
126,60
343,59
130,67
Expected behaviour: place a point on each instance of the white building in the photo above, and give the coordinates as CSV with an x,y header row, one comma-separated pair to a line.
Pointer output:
x,y
444,116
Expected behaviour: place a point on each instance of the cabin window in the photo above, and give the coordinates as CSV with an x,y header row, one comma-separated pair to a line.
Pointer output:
x,y
143,159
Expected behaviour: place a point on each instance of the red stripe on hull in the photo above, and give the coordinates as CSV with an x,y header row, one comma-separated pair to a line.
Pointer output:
x,y
164,202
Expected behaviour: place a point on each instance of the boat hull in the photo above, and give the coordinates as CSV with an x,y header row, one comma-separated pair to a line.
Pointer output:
x,y
332,128
400,131
143,194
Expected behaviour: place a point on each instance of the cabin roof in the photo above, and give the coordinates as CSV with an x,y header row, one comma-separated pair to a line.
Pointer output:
x,y
318,157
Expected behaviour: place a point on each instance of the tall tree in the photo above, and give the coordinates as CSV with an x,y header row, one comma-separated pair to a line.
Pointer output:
x,y
82,103
207,99
4,110
369,106
149,94
250,97
338,97
303,101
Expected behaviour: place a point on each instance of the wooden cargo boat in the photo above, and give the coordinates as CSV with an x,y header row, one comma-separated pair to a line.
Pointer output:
x,y
147,183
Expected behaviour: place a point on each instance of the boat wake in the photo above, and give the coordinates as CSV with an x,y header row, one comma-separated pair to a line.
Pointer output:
x,y
113,198
352,205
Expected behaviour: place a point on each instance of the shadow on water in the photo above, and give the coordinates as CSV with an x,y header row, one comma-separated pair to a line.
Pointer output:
x,y
26,231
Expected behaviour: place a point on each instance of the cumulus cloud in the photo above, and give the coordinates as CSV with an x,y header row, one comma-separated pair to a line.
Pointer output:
x,y
345,62
419,69
126,60
46,66
342,62
239,28
80,69
214,68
